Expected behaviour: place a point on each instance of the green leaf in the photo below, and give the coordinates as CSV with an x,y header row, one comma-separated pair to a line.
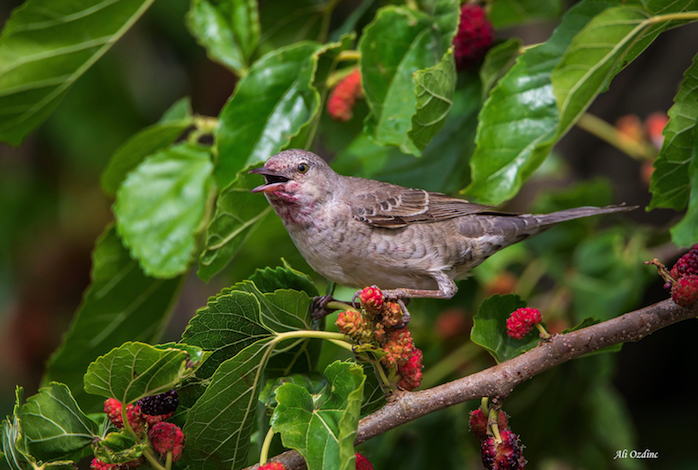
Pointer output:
x,y
670,183
490,328
45,46
161,205
609,276
322,427
121,304
435,87
146,142
137,370
180,109
14,449
238,214
518,123
283,277
313,382
685,233
118,448
498,61
285,23
444,164
228,29
271,104
220,423
592,57
506,13
282,310
228,324
53,425
399,42
285,310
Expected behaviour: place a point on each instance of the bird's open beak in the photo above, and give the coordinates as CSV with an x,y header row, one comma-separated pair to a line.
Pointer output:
x,y
274,181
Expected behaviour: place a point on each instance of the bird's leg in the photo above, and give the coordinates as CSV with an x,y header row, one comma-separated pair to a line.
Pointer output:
x,y
447,289
406,316
319,308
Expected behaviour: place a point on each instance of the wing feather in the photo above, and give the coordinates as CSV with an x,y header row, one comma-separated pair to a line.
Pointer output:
x,y
390,206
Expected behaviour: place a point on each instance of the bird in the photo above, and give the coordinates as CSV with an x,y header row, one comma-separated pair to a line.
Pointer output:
x,y
410,243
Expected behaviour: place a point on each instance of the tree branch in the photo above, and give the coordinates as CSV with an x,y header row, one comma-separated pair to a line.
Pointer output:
x,y
500,380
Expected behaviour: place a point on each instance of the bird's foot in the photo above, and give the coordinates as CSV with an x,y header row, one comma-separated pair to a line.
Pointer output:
x,y
319,308
406,317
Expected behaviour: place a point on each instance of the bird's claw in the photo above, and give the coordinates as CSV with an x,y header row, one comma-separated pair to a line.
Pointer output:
x,y
319,308
406,316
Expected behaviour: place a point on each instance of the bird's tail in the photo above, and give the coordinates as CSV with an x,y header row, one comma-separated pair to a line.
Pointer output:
x,y
577,213
506,229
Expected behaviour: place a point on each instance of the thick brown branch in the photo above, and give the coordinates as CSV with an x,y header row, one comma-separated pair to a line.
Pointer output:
x,y
500,380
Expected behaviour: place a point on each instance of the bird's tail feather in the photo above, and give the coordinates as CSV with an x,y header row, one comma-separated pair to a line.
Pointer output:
x,y
578,213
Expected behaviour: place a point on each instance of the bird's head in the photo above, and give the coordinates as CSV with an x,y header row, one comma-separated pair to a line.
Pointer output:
x,y
296,177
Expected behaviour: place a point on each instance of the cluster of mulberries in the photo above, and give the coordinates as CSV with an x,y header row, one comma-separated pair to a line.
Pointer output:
x,y
149,414
343,97
521,322
149,410
378,323
682,280
474,37
501,450
684,288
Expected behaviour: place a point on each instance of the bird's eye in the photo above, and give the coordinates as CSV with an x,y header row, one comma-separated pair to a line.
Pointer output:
x,y
303,168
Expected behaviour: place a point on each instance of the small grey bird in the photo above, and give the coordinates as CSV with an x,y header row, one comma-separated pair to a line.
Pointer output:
x,y
408,242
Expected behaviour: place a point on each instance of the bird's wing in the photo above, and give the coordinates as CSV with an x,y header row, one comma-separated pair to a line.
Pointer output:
x,y
392,206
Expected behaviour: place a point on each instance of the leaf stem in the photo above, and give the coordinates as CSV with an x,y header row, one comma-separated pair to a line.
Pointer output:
x,y
309,334
168,460
606,132
543,332
337,305
689,15
148,454
338,76
342,344
264,454
351,55
379,368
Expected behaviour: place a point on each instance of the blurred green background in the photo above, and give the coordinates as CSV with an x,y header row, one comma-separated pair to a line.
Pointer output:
x,y
52,210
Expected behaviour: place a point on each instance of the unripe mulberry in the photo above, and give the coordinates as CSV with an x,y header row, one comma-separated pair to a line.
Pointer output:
x,y
411,372
165,437
399,348
687,264
474,37
521,321
685,291
372,299
354,325
340,105
507,455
